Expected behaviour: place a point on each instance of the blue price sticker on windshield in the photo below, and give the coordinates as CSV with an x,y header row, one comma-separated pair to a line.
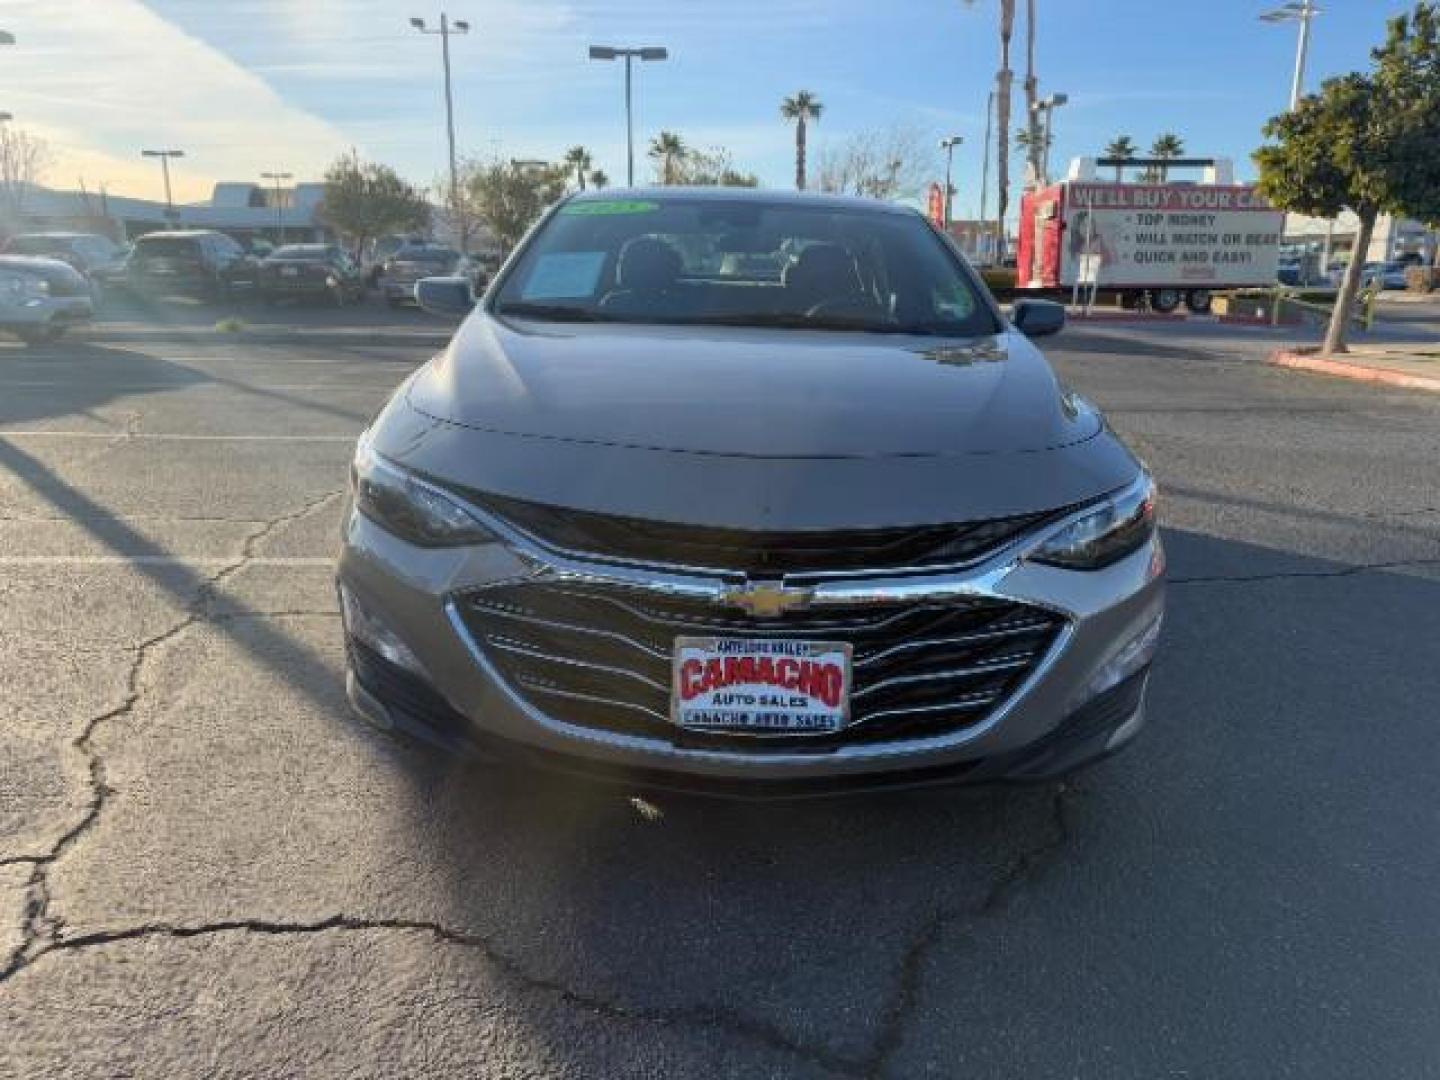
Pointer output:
x,y
564,275
607,207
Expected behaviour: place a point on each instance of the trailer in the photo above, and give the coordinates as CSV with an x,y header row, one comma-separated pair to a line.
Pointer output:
x,y
1157,245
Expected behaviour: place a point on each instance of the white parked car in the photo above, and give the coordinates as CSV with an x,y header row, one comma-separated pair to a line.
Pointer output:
x,y
41,298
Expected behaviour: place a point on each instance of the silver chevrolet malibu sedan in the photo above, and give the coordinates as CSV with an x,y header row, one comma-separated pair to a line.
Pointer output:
x,y
749,493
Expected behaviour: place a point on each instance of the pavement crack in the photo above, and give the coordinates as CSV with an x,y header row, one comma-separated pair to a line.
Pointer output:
x,y
1292,575
710,1017
906,997
41,929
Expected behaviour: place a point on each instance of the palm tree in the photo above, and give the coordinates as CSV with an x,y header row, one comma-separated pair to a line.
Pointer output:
x,y
577,159
1167,146
1121,147
1003,78
801,109
599,180
1032,96
668,150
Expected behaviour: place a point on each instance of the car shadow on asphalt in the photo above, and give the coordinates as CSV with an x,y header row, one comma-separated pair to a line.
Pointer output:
x,y
28,392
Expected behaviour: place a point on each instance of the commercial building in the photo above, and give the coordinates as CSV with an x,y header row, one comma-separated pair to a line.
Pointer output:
x,y
243,210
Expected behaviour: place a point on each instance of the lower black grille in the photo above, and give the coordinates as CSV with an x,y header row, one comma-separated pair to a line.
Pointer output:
x,y
761,553
403,691
599,656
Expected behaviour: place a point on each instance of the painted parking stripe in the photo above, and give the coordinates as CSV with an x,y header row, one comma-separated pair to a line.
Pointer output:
x,y
158,436
160,560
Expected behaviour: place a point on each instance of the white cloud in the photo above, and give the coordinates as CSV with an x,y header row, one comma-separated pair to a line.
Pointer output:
x,y
101,81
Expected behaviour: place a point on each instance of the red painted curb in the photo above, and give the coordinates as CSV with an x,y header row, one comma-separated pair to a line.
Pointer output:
x,y
1385,376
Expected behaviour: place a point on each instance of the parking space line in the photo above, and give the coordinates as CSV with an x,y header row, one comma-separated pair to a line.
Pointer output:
x,y
158,436
161,560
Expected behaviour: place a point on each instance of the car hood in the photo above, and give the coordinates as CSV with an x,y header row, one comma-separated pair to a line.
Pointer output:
x,y
752,393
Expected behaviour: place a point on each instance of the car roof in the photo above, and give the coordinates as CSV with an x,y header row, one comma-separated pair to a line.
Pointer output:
x,y
59,236
739,194
179,234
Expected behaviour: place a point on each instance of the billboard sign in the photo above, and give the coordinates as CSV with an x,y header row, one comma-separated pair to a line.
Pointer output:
x,y
1184,235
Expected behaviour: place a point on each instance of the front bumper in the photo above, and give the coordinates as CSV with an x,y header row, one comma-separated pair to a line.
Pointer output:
x,y
48,311
398,289
1047,727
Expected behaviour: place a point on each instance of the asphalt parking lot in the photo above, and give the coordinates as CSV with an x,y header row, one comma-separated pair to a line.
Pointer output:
x,y
207,868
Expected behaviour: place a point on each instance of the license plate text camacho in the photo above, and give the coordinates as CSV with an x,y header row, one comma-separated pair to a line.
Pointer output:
x,y
760,685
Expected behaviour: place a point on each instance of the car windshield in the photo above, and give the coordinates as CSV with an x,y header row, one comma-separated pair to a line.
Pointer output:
x,y
426,254
37,245
166,245
745,263
303,252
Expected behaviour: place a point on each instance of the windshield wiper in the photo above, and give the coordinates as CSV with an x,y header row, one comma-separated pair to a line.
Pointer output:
x,y
550,312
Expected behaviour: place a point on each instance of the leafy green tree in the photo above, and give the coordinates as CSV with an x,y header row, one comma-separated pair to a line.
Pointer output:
x,y
364,199
800,110
713,168
668,151
1168,147
1367,143
1121,147
510,197
577,158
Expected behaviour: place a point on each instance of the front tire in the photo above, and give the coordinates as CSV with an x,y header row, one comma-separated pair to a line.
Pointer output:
x,y
1165,300
39,335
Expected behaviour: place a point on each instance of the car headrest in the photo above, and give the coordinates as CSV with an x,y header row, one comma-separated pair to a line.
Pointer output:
x,y
647,263
822,270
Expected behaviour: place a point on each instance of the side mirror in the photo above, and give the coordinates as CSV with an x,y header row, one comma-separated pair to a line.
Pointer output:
x,y
445,295
1037,318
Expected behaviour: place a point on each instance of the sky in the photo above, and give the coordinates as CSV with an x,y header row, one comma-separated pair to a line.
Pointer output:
x,y
249,86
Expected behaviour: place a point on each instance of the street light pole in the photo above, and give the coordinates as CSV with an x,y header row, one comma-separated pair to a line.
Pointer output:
x,y
279,205
1303,12
459,26
948,144
165,156
607,52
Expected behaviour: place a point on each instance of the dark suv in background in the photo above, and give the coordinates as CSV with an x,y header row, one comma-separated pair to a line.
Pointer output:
x,y
194,262
409,264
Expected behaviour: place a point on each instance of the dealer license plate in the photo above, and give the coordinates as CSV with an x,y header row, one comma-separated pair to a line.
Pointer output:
x,y
760,686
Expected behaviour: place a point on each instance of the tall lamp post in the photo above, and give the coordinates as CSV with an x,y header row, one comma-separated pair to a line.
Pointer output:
x,y
649,52
1303,12
1047,107
459,26
277,177
948,144
165,155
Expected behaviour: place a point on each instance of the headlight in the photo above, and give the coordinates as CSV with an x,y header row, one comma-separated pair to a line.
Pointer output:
x,y
409,507
24,286
1118,526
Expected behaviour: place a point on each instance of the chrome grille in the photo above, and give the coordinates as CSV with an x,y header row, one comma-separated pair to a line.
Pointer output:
x,y
599,656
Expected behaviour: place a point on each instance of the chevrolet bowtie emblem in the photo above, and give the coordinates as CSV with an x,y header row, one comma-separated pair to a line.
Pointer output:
x,y
767,601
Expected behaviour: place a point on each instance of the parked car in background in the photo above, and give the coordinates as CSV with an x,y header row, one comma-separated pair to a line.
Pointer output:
x,y
194,262
382,249
411,263
97,257
311,271
1385,275
41,298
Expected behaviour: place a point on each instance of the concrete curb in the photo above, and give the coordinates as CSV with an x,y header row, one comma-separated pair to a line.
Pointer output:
x,y
1386,376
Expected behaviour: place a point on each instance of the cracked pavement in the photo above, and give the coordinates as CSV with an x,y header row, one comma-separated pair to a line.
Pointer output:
x,y
208,869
